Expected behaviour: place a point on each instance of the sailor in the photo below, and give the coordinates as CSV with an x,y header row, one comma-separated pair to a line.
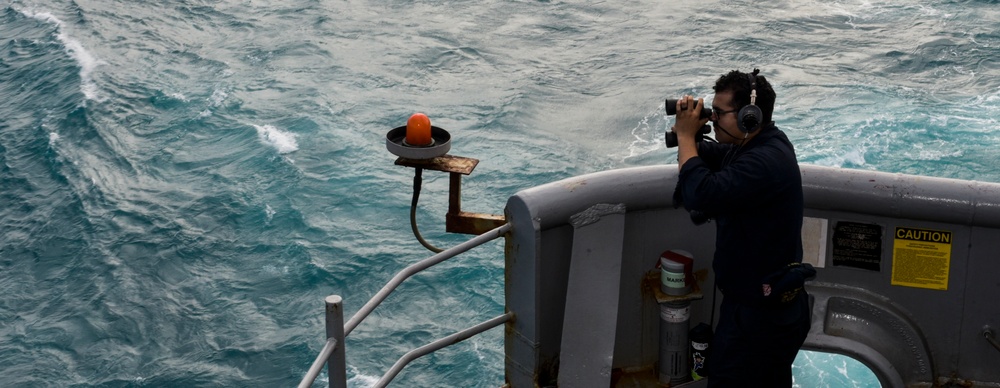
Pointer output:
x,y
750,185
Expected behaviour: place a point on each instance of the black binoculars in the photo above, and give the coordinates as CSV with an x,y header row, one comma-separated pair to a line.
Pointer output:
x,y
672,109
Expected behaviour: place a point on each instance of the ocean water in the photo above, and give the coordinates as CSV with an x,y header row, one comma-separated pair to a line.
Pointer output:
x,y
182,182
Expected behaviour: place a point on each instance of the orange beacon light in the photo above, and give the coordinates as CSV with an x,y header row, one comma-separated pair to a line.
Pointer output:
x,y
418,131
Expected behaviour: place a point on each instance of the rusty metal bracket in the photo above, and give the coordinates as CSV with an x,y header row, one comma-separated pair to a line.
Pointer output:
x,y
457,221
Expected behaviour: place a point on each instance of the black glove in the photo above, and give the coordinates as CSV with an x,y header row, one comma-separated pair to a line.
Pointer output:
x,y
783,286
697,217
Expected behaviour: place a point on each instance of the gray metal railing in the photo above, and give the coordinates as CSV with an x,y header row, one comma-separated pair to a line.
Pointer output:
x,y
441,343
333,354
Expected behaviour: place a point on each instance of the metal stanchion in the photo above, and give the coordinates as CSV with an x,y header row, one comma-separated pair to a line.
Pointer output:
x,y
337,363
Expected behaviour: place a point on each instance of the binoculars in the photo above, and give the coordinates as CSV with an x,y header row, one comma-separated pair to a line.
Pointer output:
x,y
671,137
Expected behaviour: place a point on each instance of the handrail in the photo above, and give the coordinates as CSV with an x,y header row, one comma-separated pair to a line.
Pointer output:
x,y
317,366
417,267
441,343
335,317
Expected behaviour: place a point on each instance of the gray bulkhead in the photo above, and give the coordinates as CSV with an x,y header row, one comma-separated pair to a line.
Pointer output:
x,y
912,333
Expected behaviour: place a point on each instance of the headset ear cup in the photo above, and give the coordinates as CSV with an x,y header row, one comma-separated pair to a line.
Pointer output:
x,y
749,118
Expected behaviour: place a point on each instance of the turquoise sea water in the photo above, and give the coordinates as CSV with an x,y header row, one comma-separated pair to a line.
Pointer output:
x,y
182,182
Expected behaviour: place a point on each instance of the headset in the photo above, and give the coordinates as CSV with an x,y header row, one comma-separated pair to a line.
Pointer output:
x,y
749,116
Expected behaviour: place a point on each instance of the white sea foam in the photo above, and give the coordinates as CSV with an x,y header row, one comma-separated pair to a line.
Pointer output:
x,y
217,97
269,212
282,141
358,380
846,157
648,134
275,270
214,101
87,61
53,138
361,380
476,349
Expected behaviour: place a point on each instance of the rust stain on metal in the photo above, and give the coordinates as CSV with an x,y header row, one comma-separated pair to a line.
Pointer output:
x,y
446,163
473,223
574,185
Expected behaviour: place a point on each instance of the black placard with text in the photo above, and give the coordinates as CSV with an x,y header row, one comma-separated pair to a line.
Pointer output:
x,y
857,245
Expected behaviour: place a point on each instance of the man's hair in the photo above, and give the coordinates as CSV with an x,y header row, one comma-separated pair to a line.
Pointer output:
x,y
739,83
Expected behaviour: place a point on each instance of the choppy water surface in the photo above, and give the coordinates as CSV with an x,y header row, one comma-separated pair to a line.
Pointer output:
x,y
182,182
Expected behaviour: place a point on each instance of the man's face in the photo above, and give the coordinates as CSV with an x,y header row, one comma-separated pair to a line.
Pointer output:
x,y
724,118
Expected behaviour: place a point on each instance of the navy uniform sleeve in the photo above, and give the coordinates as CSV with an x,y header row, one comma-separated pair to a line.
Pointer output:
x,y
739,184
713,154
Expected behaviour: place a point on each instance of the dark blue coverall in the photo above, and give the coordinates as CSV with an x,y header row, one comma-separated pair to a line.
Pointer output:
x,y
754,195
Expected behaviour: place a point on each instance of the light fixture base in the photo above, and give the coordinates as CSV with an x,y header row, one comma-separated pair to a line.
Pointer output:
x,y
396,138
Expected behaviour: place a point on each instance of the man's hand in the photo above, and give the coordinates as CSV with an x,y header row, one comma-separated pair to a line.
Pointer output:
x,y
689,122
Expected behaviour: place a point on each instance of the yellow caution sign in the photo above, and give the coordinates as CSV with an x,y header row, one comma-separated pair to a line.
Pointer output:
x,y
921,258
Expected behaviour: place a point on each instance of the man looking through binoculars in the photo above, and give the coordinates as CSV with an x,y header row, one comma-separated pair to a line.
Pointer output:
x,y
749,183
